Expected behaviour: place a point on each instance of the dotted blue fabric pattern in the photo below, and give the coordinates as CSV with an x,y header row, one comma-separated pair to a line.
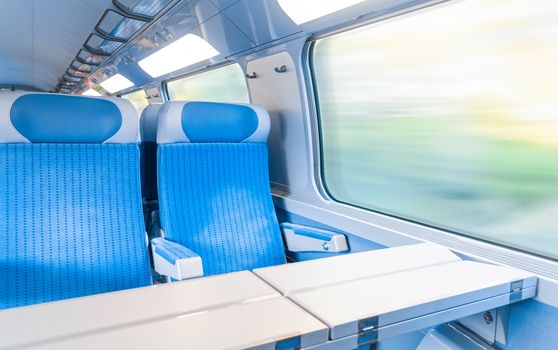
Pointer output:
x,y
215,200
171,251
71,222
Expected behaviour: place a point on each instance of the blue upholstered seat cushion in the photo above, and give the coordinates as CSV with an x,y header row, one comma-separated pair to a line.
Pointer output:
x,y
70,221
215,199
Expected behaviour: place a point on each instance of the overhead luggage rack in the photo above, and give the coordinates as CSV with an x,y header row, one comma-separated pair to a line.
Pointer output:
x,y
99,46
344,302
76,72
115,28
147,9
72,78
87,58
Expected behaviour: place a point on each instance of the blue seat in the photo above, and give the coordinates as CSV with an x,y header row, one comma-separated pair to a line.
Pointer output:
x,y
71,219
148,132
214,190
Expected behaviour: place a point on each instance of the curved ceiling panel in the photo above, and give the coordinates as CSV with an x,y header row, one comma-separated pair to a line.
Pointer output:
x,y
39,38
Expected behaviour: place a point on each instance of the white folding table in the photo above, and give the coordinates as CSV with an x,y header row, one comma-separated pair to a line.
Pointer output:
x,y
409,289
329,304
312,274
231,311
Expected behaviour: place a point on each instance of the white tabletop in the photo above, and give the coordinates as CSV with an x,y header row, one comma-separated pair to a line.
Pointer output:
x,y
291,278
38,323
252,325
408,294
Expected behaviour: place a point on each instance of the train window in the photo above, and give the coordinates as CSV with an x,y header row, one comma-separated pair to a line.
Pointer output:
x,y
138,99
225,84
448,117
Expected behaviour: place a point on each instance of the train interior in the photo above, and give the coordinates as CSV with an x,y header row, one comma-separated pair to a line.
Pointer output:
x,y
279,174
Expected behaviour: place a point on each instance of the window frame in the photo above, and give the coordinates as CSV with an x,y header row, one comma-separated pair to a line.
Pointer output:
x,y
318,143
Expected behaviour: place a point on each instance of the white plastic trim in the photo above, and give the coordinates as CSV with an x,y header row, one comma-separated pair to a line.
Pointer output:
x,y
8,134
302,243
129,129
169,125
264,124
181,270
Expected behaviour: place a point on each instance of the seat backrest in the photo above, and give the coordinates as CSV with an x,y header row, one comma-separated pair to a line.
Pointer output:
x,y
148,132
70,205
214,191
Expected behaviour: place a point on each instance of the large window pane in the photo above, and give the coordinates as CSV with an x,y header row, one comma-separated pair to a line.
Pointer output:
x,y
138,99
226,84
449,117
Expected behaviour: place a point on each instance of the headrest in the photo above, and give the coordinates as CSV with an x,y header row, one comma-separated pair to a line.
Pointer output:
x,y
30,117
148,122
210,122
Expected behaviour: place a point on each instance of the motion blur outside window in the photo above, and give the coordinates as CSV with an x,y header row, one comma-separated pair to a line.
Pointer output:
x,y
448,117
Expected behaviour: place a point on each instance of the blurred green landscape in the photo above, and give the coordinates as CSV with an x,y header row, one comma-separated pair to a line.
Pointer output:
x,y
209,86
138,99
456,128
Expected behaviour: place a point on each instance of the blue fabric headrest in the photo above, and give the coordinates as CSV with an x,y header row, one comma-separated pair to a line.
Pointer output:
x,y
210,122
55,118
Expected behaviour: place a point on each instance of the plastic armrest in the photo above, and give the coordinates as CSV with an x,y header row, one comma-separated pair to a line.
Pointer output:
x,y
300,238
175,261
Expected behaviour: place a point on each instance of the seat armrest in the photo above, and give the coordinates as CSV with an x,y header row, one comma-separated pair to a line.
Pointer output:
x,y
299,238
174,260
